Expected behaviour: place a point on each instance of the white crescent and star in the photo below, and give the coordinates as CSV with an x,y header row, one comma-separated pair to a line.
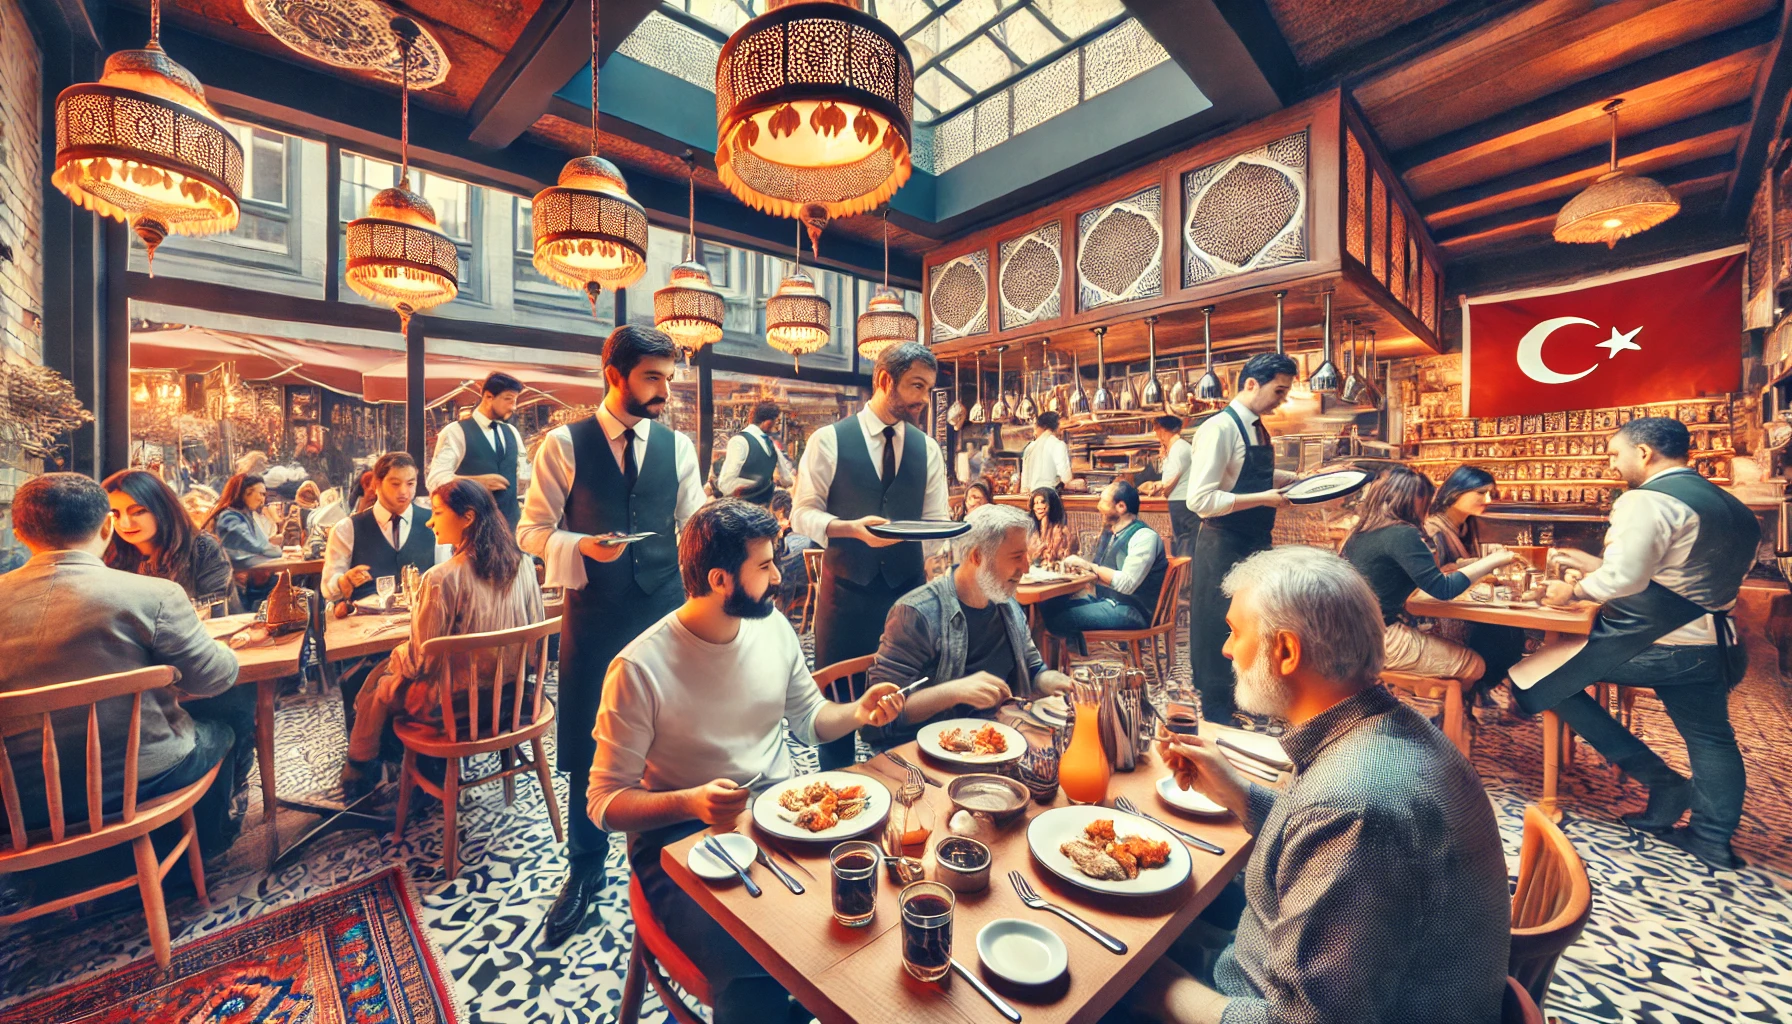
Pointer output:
x,y
1530,349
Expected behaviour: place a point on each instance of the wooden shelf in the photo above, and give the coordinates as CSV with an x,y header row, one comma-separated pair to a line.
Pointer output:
x,y
1718,453
1551,433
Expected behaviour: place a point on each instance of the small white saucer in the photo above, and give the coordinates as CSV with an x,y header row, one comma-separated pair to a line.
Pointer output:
x,y
707,866
1188,801
1022,952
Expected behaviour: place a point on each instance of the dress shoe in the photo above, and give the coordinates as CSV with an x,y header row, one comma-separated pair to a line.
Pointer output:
x,y
1716,856
583,885
359,778
1667,802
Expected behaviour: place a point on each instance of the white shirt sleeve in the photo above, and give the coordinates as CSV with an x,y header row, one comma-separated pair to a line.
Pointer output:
x,y
624,735
1212,451
809,514
786,472
451,448
338,549
1141,552
538,531
936,504
803,699
690,482
729,481
522,458
1059,454
1175,466
1641,532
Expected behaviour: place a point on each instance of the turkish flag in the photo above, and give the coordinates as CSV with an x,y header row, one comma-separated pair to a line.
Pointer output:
x,y
1653,337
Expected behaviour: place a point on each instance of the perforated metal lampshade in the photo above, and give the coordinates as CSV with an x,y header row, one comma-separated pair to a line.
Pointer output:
x,y
798,318
885,323
1618,205
143,146
1327,379
814,101
689,309
397,256
589,234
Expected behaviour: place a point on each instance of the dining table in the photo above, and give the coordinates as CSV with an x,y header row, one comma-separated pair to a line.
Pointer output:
x,y
1574,620
263,666
844,974
1038,587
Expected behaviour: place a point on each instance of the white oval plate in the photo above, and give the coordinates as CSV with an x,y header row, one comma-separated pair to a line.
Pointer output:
x,y
707,866
1188,801
877,808
929,741
1053,828
1326,486
1022,952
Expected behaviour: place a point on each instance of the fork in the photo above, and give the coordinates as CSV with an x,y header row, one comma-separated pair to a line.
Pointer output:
x,y
1123,804
912,769
1037,902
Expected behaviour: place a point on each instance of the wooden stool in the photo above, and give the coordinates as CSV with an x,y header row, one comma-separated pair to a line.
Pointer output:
x,y
657,960
1451,691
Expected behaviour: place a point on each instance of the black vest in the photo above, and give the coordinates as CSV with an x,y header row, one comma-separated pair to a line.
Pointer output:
x,y
482,458
858,491
599,503
761,466
1110,553
373,547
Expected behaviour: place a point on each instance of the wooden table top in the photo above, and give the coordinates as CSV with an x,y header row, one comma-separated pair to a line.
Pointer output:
x,y
843,974
360,635
1577,619
1034,593
296,566
258,664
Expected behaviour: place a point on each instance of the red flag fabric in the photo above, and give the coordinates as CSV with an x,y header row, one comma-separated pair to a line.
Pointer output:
x,y
1655,337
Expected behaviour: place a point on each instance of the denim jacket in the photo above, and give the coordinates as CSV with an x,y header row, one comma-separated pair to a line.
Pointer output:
x,y
926,635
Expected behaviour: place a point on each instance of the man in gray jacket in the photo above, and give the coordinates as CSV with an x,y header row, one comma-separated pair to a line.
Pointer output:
x,y
65,616
966,632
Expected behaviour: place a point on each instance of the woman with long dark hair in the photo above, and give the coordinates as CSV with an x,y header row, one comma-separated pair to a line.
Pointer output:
x,y
486,586
1456,540
1387,547
1050,538
237,521
978,494
153,536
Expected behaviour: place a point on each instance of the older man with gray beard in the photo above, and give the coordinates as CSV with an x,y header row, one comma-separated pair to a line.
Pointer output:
x,y
966,632
1377,888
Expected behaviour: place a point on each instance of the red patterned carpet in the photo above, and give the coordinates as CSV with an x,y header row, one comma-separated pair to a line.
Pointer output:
x,y
354,955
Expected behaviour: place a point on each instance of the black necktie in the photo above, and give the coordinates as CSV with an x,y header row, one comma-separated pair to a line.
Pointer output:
x,y
629,470
498,440
889,455
396,522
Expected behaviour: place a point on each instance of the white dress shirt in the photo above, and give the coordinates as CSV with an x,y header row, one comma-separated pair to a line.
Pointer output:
x,y
1044,463
1141,552
1175,469
1650,538
451,448
1216,458
729,480
809,513
340,548
539,532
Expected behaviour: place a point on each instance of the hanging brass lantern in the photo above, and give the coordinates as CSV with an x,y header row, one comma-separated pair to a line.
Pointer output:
x,y
689,309
798,318
885,322
1618,205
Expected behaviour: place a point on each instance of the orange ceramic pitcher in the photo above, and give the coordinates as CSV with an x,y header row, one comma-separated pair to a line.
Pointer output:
x,y
1084,769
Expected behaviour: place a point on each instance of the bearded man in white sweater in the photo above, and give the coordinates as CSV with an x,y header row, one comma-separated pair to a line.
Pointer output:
x,y
693,710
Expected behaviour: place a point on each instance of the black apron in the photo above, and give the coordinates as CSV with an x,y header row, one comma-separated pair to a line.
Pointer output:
x,y
1221,543
1627,626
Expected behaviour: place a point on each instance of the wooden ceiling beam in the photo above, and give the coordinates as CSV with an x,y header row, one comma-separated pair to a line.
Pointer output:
x,y
1409,41
553,46
1593,91
1687,179
1773,86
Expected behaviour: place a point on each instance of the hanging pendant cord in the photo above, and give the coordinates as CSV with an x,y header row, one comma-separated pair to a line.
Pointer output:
x,y
155,25
594,51
1612,109
404,127
886,247
690,168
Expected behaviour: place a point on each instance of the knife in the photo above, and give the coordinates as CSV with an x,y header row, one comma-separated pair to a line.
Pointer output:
x,y
790,883
912,687
983,990
721,853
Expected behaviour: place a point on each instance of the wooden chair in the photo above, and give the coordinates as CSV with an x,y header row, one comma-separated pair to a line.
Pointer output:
x,y
850,671
655,959
1550,905
1161,634
61,841
1517,1006
501,730
811,568
1453,693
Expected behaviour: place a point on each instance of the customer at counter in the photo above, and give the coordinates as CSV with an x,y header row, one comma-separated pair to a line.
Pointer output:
x,y
1675,556
1455,540
977,495
1045,461
1233,487
1388,549
1050,539
1129,572
1172,481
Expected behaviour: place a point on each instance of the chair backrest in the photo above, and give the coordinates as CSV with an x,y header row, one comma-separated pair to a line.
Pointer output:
x,y
812,564
842,671
22,711
512,653
1550,905
1175,577
1517,1006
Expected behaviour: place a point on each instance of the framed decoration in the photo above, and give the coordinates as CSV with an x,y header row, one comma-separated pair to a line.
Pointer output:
x,y
1247,212
958,297
1029,276
1120,251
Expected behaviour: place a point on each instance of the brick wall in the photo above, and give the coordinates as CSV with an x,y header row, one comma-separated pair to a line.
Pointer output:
x,y
21,182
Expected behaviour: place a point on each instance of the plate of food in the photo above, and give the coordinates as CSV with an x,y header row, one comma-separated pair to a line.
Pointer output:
x,y
1327,486
971,741
919,529
825,806
1108,851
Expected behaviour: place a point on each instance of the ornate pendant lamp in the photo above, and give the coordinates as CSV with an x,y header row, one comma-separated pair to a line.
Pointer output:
x,y
814,100
798,318
885,323
1101,401
689,309
1326,379
1210,388
1000,412
589,234
142,145
395,254
1152,397
1618,205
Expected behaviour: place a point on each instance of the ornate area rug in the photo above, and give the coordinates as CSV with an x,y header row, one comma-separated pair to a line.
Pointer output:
x,y
356,954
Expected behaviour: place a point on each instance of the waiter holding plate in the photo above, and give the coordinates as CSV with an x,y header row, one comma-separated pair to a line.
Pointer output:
x,y
869,469
1233,486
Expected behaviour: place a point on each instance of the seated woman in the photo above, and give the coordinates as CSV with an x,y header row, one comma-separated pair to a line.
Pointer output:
x,y
1050,537
1452,532
1388,549
487,586
242,531
977,495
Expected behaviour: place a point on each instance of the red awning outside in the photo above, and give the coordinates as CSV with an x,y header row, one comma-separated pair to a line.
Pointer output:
x,y
257,357
442,377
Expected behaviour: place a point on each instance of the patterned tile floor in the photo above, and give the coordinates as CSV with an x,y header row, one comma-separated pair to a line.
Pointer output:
x,y
1668,940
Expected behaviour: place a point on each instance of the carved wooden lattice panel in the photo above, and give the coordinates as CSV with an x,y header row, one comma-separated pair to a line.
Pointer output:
x,y
958,297
1245,213
1119,251
1029,273
1378,235
1397,252
1356,228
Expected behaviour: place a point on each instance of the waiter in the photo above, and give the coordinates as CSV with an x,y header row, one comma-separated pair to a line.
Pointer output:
x,y
615,472
871,468
1675,555
485,448
1173,481
1045,461
1232,487
755,465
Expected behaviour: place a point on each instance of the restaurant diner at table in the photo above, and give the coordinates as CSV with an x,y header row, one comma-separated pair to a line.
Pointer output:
x,y
1068,513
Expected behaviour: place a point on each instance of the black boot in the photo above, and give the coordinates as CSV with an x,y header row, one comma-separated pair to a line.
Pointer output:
x,y
584,882
1716,856
1670,793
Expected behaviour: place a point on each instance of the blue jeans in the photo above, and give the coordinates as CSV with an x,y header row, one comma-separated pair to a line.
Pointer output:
x,y
1689,681
1070,617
